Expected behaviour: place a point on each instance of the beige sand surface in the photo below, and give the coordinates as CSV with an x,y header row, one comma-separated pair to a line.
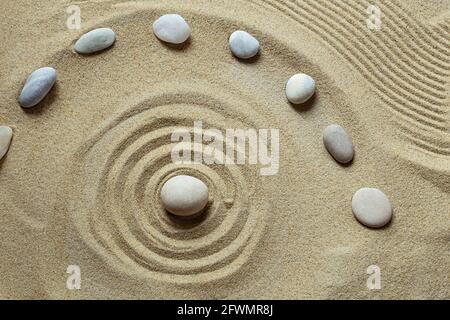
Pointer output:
x,y
80,182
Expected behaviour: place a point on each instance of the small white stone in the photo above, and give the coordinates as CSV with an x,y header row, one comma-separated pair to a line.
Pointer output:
x,y
5,140
338,143
95,40
371,207
243,45
300,88
37,86
184,195
171,28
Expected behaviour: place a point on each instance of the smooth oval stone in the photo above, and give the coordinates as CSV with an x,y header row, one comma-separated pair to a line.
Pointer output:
x,y
5,140
171,28
243,45
371,207
300,88
95,40
184,195
37,86
338,143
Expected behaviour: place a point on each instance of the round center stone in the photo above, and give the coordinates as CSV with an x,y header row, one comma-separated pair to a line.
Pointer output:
x,y
184,195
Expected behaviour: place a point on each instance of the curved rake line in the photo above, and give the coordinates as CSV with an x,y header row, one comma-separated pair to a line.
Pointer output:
x,y
351,55
438,125
427,95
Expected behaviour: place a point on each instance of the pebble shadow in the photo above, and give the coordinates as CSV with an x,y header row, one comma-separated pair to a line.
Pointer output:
x,y
94,54
181,47
304,107
3,160
343,165
251,60
190,221
386,226
43,106
348,164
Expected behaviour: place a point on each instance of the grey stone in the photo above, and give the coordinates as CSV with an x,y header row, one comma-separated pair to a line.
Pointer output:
x,y
300,88
171,28
95,40
371,207
37,86
338,143
5,140
243,45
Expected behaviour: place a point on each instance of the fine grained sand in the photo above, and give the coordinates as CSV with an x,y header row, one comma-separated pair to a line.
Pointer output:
x,y
81,180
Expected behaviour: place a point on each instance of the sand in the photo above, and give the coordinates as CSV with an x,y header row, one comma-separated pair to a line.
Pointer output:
x,y
81,180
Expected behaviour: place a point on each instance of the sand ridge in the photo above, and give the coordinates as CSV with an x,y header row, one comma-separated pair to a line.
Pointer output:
x,y
85,167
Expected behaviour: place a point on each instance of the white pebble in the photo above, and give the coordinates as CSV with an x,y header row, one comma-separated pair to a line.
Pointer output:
x,y
5,140
184,195
371,207
300,88
95,40
37,86
338,143
243,45
171,28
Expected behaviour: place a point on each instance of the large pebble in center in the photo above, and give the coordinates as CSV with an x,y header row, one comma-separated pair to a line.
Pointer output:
x,y
184,195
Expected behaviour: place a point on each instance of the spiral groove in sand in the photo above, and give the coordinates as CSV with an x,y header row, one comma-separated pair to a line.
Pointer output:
x,y
122,217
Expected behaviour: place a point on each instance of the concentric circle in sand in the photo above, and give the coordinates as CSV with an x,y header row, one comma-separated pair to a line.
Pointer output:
x,y
122,168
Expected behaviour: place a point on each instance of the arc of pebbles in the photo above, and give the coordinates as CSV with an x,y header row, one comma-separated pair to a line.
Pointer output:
x,y
172,28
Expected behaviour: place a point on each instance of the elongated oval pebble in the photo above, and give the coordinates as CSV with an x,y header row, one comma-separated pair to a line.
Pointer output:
x,y
338,143
171,28
300,88
243,44
95,40
371,207
184,195
5,140
37,86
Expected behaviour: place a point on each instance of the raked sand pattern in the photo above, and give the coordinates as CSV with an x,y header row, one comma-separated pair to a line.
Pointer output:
x,y
82,177
407,63
122,216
